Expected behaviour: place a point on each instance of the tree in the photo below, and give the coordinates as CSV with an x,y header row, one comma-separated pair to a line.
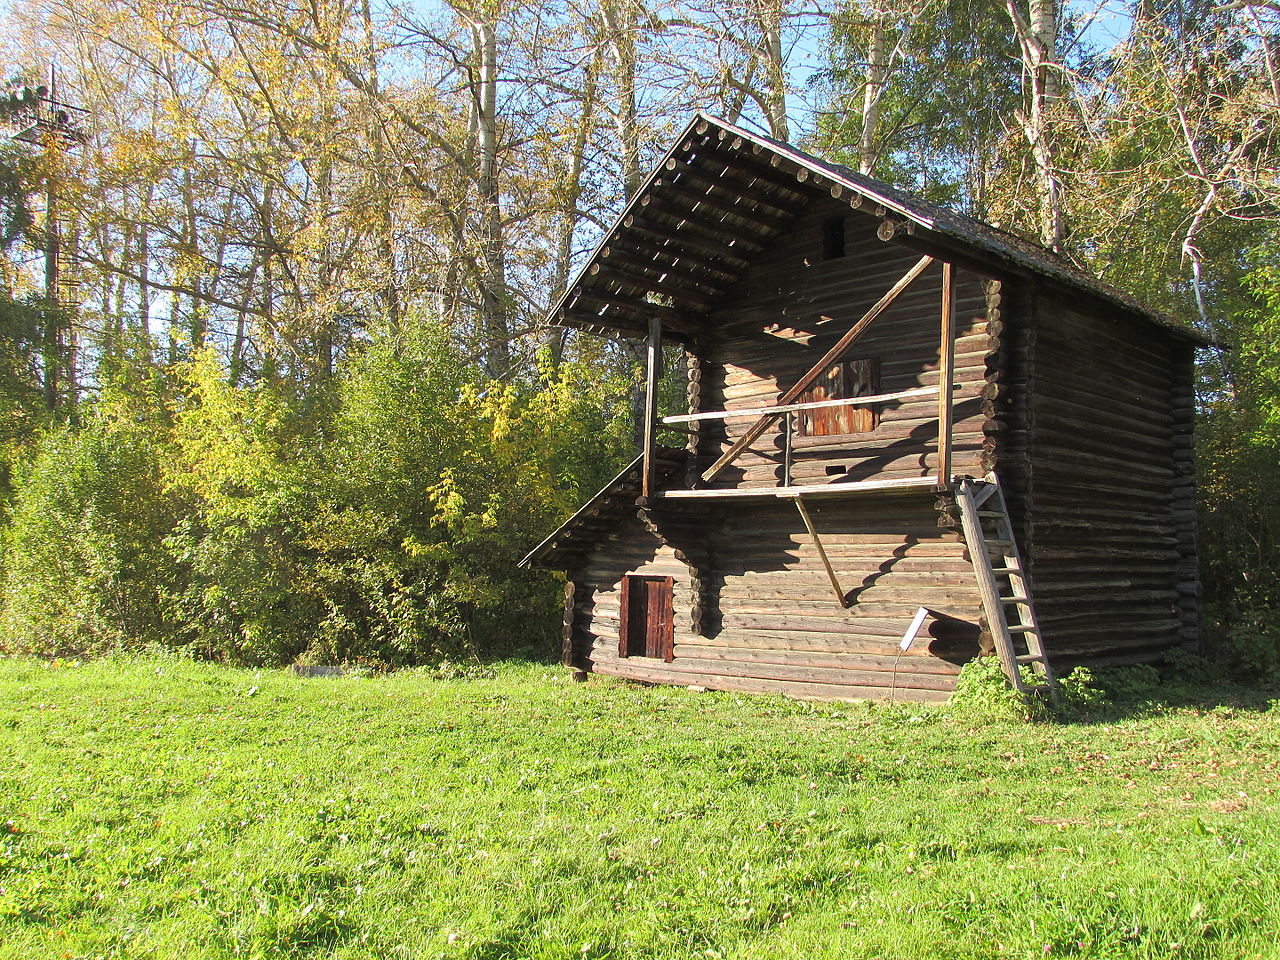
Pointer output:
x,y
917,93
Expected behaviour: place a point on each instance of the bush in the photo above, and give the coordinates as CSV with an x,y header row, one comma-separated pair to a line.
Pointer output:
x,y
1132,683
434,485
983,693
377,519
1081,694
1182,666
1250,650
84,553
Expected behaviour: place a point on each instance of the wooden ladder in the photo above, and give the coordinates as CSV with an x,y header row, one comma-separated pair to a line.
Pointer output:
x,y
1003,583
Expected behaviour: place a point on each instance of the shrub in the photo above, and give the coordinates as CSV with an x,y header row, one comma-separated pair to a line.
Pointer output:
x,y
1182,666
983,693
378,519
238,461
1081,694
1250,650
84,555
1137,682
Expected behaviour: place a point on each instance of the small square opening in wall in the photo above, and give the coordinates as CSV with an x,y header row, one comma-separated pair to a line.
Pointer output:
x,y
833,238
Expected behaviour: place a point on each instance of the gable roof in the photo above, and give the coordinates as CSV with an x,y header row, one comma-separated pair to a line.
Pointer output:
x,y
722,195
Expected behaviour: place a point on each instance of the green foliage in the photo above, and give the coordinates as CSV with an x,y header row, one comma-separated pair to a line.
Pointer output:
x,y
1238,450
84,558
238,460
984,694
22,321
169,809
1185,668
1250,648
1082,694
17,178
22,409
380,523
1132,683
432,487
946,103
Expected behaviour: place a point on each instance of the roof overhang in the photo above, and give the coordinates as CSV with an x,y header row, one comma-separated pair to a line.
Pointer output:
x,y
723,195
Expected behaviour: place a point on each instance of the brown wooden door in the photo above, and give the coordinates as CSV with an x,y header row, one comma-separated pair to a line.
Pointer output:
x,y
647,618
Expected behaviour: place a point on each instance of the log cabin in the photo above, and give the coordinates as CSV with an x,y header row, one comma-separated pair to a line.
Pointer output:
x,y
911,439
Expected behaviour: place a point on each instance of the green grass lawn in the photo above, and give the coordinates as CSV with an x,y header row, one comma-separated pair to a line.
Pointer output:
x,y
169,809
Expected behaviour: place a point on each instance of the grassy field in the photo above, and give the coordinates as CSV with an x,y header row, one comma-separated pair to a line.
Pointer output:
x,y
177,810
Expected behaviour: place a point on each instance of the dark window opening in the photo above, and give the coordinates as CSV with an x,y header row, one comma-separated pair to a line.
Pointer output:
x,y
646,622
833,238
843,381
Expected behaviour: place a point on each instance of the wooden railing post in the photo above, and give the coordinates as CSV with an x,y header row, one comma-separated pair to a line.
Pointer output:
x,y
946,361
651,401
790,421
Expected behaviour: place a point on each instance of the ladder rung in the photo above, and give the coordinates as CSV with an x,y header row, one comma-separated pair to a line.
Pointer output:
x,y
1030,658
1015,599
1023,628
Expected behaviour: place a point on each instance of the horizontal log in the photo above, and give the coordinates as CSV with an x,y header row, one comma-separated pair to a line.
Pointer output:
x,y
918,663
813,691
691,666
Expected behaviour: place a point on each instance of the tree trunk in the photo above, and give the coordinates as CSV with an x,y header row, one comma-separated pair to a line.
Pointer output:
x,y
872,92
620,28
771,16
493,298
1037,35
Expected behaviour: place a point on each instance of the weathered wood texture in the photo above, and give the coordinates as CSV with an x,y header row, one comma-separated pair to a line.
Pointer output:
x,y
1110,486
1086,418
794,306
773,623
1184,499
1007,410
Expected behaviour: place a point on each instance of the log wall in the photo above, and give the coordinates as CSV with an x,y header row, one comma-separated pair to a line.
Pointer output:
x,y
1086,417
1110,486
1184,499
773,623
792,308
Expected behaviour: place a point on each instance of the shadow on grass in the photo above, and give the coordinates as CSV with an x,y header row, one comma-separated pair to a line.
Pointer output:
x,y
1127,702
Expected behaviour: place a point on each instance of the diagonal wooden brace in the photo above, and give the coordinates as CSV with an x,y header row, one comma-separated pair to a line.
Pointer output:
x,y
822,552
806,381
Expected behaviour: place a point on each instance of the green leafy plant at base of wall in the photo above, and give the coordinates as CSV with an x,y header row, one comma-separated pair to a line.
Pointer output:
x,y
983,694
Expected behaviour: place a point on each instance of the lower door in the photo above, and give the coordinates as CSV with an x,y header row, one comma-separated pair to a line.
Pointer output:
x,y
646,624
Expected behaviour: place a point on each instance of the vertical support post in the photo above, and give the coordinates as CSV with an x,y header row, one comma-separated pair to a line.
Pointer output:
x,y
651,402
946,364
788,427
